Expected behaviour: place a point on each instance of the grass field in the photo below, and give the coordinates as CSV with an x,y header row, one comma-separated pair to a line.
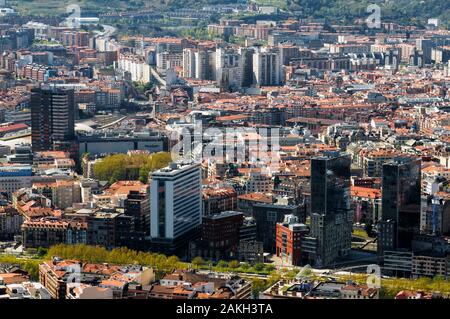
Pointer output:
x,y
360,233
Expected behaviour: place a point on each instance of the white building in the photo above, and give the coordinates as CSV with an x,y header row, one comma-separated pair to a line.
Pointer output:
x,y
136,66
41,30
229,68
196,64
6,11
189,63
266,68
15,177
168,60
176,200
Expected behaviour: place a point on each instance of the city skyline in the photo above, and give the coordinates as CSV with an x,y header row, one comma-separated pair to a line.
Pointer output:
x,y
235,150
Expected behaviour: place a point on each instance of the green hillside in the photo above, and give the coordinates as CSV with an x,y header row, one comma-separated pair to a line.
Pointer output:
x,y
404,11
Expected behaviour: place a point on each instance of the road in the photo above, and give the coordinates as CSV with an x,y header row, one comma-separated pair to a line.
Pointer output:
x,y
108,32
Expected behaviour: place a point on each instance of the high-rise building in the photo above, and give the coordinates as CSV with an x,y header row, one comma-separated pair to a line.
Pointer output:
x,y
196,64
416,59
52,117
176,204
401,202
331,215
189,63
392,59
266,68
426,45
247,68
229,68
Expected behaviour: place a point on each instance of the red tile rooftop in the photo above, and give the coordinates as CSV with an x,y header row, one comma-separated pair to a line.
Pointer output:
x,y
13,127
313,121
209,192
257,197
125,187
232,118
364,192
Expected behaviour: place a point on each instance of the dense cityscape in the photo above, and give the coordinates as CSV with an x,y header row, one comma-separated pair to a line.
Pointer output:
x,y
224,150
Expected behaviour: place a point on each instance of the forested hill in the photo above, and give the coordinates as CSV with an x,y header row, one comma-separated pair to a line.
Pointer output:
x,y
391,10
405,11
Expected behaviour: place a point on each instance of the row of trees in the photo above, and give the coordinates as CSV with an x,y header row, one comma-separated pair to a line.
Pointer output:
x,y
233,266
118,256
119,167
390,287
29,265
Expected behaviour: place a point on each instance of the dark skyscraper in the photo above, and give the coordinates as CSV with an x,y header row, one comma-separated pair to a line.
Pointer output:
x,y
331,216
400,204
52,117
330,183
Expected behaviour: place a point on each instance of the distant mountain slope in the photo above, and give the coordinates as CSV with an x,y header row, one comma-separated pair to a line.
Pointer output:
x,y
391,10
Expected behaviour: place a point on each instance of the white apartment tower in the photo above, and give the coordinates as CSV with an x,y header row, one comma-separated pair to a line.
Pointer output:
x,y
229,68
189,64
266,68
196,64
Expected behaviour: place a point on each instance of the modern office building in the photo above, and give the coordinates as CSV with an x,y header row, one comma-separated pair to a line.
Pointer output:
x,y
52,113
115,142
331,215
23,154
176,205
401,202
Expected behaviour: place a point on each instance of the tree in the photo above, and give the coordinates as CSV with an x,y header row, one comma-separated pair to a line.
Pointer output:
x,y
197,262
245,266
119,167
258,286
117,256
234,264
41,252
259,267
270,268
222,264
